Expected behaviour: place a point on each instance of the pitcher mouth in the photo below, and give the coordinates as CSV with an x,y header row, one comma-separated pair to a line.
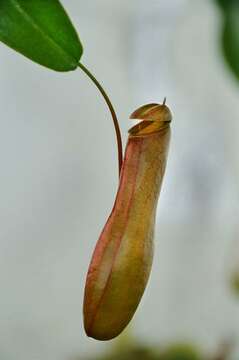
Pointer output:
x,y
153,118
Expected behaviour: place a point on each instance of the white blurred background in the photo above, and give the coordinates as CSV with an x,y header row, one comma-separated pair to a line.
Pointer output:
x,y
59,178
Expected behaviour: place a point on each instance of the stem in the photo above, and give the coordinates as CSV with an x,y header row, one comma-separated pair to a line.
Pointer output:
x,y
112,111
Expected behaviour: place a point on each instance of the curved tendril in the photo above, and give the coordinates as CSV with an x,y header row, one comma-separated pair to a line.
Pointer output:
x,y
112,111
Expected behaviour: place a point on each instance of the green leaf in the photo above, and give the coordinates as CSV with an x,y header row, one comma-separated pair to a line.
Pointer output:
x,y
230,34
225,4
42,31
231,39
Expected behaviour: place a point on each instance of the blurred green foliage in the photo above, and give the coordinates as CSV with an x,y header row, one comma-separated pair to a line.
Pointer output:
x,y
139,353
226,3
136,352
230,33
181,352
235,283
